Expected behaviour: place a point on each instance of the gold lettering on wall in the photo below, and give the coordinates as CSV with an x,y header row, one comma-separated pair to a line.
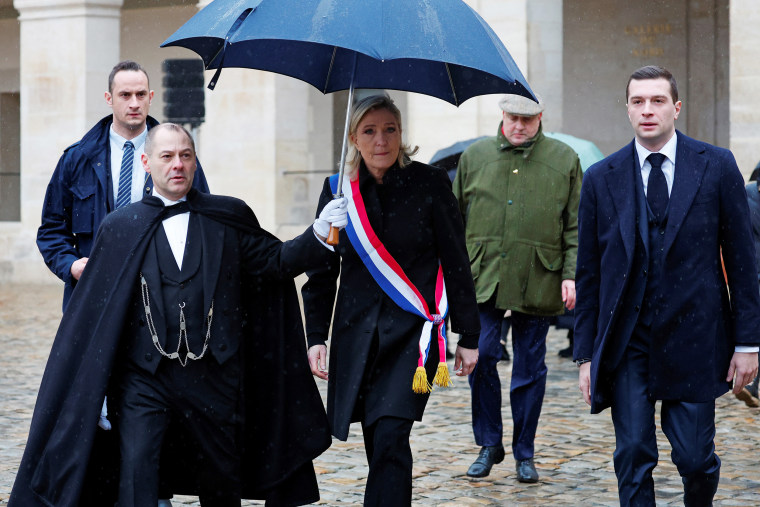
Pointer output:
x,y
646,36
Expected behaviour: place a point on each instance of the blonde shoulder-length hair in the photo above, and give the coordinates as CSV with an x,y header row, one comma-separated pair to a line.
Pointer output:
x,y
364,106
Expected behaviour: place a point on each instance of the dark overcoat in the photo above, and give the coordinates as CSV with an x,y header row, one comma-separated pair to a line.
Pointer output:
x,y
696,327
374,349
284,421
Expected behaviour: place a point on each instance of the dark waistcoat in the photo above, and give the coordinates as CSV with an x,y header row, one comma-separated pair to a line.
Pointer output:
x,y
182,288
175,287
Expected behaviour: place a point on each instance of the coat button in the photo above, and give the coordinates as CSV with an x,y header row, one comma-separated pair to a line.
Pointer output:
x,y
662,231
149,357
637,308
223,347
182,286
645,272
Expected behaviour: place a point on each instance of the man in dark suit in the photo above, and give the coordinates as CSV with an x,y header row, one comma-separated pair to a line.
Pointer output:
x,y
186,311
653,316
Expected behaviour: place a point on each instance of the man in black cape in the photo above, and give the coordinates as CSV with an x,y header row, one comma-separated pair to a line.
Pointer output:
x,y
252,326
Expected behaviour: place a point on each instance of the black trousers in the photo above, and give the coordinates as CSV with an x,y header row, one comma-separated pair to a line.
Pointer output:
x,y
203,398
389,456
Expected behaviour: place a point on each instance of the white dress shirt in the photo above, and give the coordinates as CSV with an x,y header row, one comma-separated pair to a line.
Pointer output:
x,y
668,165
176,229
139,176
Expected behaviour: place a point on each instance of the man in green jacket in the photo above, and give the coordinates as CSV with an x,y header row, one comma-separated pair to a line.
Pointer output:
x,y
519,194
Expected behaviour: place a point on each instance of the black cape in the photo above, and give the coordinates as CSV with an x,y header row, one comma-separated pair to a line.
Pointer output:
x,y
69,462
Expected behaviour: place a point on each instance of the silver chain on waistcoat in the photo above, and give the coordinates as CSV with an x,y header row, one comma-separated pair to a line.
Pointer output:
x,y
182,328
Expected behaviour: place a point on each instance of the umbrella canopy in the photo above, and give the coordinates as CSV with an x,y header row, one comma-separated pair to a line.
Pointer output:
x,y
441,48
587,151
448,157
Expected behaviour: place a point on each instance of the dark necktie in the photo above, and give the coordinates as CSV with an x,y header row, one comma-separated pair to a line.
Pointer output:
x,y
124,195
657,188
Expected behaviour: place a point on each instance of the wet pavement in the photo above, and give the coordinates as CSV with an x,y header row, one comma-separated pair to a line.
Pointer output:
x,y
573,448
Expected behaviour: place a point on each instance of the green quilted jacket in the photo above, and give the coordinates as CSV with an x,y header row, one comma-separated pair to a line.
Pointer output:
x,y
520,206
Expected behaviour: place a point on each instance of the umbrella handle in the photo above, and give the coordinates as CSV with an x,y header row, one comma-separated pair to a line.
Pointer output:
x,y
332,238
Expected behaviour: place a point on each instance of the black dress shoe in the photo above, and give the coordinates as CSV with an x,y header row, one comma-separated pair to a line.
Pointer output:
x,y
526,470
488,457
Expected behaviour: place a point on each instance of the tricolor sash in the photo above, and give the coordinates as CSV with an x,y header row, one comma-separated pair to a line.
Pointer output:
x,y
391,278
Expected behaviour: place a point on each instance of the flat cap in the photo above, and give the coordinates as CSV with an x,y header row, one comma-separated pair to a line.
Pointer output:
x,y
521,106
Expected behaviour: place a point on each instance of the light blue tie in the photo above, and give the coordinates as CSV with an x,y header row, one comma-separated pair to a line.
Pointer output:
x,y
124,195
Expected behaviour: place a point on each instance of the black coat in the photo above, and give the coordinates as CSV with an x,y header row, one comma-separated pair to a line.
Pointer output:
x,y
285,427
416,216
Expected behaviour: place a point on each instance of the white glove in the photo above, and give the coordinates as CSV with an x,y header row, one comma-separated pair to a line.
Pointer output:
x,y
103,421
335,214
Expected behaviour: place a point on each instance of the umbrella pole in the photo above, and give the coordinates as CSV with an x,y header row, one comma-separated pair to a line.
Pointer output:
x,y
332,238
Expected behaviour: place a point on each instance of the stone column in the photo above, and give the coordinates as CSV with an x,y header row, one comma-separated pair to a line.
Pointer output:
x,y
236,143
744,77
67,48
265,134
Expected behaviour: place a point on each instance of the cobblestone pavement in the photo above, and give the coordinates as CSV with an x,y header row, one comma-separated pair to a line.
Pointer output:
x,y
574,448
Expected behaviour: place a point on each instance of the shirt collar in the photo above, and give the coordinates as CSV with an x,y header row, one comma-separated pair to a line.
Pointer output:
x,y
167,202
669,150
119,141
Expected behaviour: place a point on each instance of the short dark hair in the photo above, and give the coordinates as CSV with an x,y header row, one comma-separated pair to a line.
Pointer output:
x,y
653,72
125,65
148,148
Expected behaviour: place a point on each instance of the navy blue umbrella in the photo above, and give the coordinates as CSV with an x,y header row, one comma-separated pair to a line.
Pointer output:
x,y
441,48
448,158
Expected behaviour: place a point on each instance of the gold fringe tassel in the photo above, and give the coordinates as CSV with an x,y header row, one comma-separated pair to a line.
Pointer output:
x,y
442,378
420,384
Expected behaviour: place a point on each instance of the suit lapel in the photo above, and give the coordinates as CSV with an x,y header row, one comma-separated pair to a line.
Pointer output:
x,y
212,238
99,162
621,185
689,170
642,208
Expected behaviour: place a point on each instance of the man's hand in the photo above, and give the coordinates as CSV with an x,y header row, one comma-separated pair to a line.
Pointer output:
x,y
568,293
465,361
77,267
318,361
584,381
334,214
742,370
